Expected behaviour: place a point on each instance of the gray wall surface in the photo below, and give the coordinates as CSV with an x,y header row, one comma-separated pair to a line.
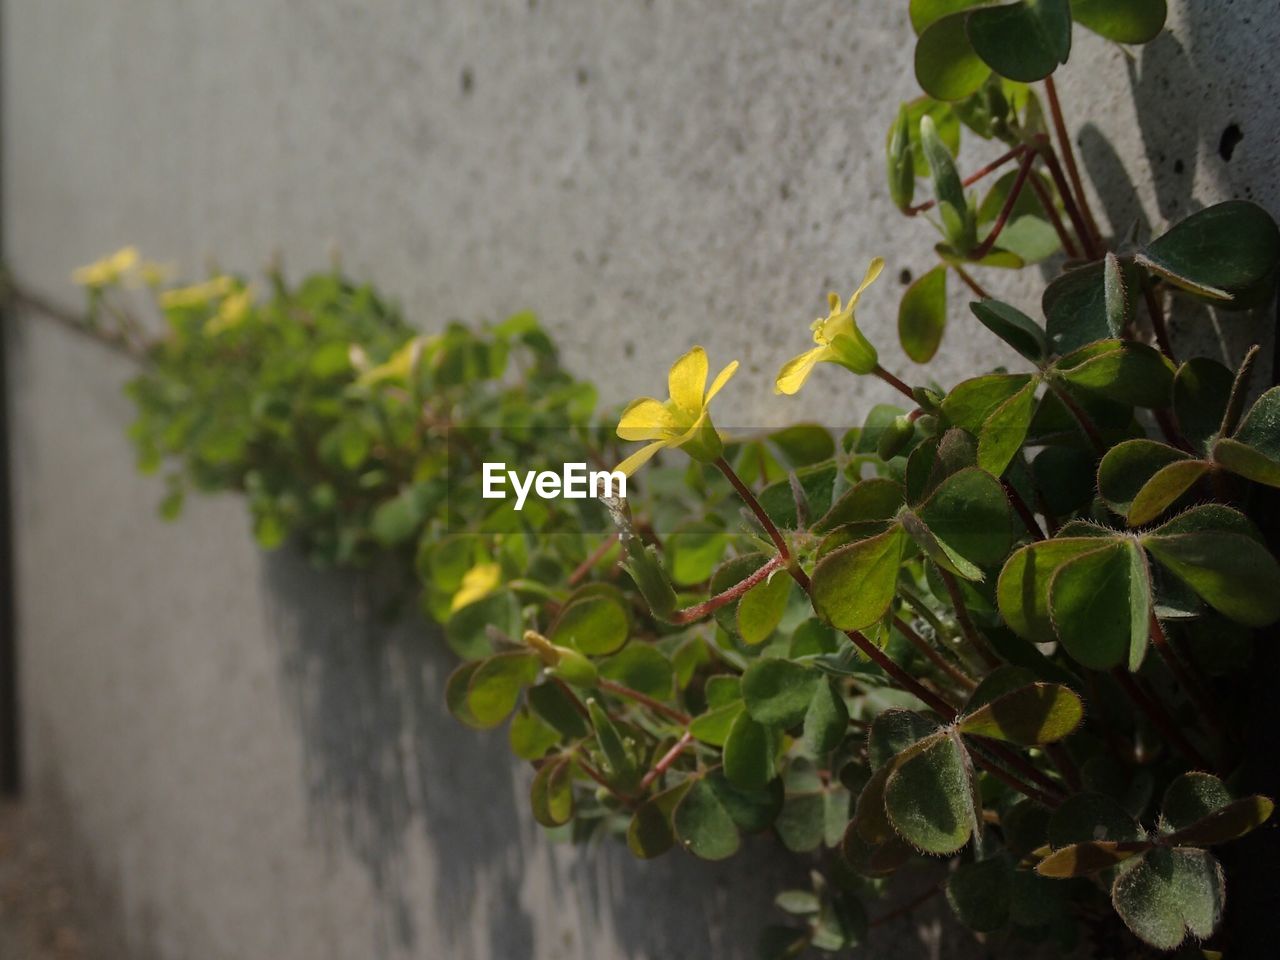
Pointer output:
x,y
251,761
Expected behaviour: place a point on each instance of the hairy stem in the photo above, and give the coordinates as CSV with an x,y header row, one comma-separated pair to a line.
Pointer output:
x,y
710,606
1023,511
1051,211
657,706
750,500
933,656
1024,171
1078,222
967,628
595,557
977,288
894,382
667,760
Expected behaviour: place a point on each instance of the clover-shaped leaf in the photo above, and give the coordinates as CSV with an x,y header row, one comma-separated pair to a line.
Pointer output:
x,y
1124,21
551,793
1226,254
1024,41
854,585
708,819
966,521
650,832
1169,894
928,796
1253,452
1141,479
1075,308
947,66
496,684
1199,811
750,753
778,692
1100,604
1022,591
1124,371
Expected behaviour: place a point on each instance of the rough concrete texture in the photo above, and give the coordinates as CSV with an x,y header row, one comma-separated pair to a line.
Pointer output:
x,y
255,766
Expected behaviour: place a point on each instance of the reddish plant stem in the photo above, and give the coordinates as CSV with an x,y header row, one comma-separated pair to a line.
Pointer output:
x,y
1190,682
977,288
1023,511
973,178
1159,718
750,500
667,760
573,697
1069,158
657,706
596,556
1050,521
1156,312
708,607
598,777
1024,171
894,382
1068,202
933,656
1051,211
967,628
904,680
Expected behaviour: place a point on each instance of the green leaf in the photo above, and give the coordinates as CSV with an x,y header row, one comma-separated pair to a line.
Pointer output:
x,y
1023,41
1036,714
1005,430
551,793
826,720
778,692
467,630
1075,308
749,753
1234,574
947,67
972,401
1198,810
969,515
497,683
1124,21
641,667
650,833
1226,254
876,498
979,893
1118,283
554,705
761,608
455,693
1089,816
1121,370
693,554
595,623
702,824
924,13
620,768
1140,479
1028,234
1201,390
1013,327
854,586
530,736
894,731
922,315
1022,591
712,727
1088,857
928,799
900,162
1100,603
1169,894
1254,451
398,519
953,205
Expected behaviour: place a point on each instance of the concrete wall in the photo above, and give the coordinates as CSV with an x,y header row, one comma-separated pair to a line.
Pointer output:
x,y
249,759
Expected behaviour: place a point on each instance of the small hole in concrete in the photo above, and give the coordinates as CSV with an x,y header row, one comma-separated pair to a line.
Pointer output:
x,y
1178,166
904,277
467,80
1231,138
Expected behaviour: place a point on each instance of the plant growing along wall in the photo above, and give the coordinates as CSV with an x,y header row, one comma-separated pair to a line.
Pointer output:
x,y
991,626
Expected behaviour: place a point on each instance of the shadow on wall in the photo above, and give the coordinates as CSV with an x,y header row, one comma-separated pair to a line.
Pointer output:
x,y
384,758
1194,98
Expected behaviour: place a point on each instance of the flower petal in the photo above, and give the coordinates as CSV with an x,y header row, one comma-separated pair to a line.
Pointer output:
x,y
687,380
647,419
723,377
638,459
873,271
796,370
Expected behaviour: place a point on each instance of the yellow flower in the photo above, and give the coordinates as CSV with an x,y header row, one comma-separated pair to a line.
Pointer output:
x,y
682,421
399,367
477,583
234,308
198,295
838,340
108,270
